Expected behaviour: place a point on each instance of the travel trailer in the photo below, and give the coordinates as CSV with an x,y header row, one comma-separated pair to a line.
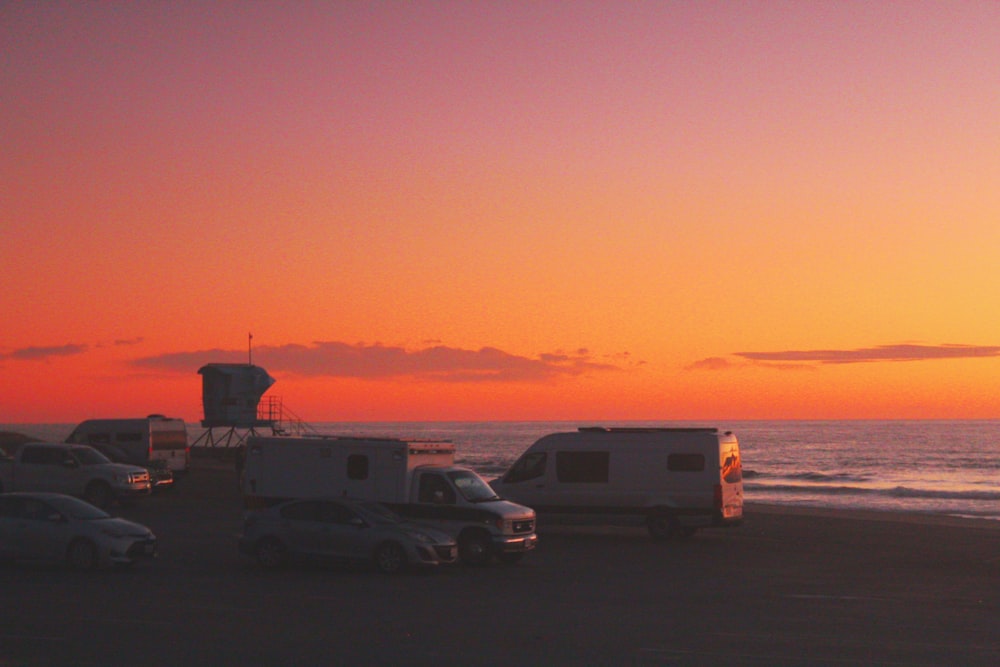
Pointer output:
x,y
153,438
419,480
676,480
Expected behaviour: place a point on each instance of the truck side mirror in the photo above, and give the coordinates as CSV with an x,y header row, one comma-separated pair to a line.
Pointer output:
x,y
70,463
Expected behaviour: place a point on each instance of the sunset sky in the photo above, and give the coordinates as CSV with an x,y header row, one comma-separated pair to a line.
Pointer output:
x,y
502,210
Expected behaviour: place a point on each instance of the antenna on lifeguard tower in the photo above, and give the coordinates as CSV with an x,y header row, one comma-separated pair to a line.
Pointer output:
x,y
249,349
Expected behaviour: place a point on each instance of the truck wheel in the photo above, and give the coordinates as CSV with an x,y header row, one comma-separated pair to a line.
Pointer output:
x,y
475,547
389,557
271,553
662,526
98,494
82,555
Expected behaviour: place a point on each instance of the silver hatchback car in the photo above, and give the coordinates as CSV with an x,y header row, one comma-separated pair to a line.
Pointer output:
x,y
338,529
53,527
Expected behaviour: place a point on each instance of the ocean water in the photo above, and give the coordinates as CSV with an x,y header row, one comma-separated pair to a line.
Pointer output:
x,y
933,467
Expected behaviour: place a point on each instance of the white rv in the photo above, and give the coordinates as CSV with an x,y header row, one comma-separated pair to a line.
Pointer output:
x,y
153,438
416,479
676,480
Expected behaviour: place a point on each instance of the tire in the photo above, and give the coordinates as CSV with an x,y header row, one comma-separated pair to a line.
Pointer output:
x,y
81,555
389,557
510,557
475,547
271,553
99,494
662,526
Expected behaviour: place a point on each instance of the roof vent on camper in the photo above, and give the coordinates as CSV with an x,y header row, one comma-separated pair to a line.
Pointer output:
x,y
230,394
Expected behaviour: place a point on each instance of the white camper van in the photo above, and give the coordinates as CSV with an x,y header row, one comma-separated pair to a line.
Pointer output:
x,y
417,479
676,480
153,438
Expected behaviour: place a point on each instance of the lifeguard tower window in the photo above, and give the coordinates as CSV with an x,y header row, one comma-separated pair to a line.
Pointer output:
x,y
582,467
357,466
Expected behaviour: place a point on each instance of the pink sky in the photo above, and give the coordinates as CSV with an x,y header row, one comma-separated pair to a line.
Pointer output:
x,y
469,210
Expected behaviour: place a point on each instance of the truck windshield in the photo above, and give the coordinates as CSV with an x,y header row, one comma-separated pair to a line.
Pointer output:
x,y
472,487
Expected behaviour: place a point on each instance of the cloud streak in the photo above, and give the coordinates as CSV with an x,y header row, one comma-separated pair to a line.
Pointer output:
x,y
41,353
907,352
435,363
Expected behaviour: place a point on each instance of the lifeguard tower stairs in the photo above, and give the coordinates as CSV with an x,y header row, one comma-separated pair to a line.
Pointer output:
x,y
231,397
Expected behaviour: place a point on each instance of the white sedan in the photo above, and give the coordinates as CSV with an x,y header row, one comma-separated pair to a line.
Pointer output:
x,y
53,527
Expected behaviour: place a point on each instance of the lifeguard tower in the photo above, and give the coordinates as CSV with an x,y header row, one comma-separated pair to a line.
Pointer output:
x,y
231,397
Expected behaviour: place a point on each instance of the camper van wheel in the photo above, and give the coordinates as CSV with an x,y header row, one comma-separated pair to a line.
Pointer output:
x,y
98,494
662,526
390,557
271,553
475,547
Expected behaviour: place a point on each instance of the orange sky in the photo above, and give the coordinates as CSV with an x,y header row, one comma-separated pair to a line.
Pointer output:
x,y
472,210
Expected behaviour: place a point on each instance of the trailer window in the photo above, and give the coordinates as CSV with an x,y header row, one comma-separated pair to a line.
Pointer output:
x,y
357,466
686,462
527,467
582,467
130,436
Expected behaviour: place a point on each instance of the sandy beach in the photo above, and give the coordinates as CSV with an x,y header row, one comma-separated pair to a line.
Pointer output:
x,y
789,587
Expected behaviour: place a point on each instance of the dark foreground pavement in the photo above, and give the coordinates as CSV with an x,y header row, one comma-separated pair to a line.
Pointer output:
x,y
785,589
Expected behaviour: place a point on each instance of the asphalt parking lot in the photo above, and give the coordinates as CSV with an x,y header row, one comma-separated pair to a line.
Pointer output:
x,y
781,590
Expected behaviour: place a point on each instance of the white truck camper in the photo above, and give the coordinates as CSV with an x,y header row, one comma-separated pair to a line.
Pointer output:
x,y
417,479
152,438
676,480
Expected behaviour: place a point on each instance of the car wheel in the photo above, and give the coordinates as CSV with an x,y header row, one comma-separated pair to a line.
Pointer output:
x,y
390,557
98,494
475,547
662,526
82,555
271,553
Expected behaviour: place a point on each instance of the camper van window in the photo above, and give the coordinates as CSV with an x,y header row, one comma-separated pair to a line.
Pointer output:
x,y
582,467
99,438
527,467
686,462
131,436
732,470
357,466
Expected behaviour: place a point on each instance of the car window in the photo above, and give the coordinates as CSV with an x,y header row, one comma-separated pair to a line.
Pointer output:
x,y
34,509
77,509
302,511
10,507
334,512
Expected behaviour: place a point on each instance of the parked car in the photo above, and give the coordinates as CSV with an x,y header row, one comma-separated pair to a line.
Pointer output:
x,y
53,527
161,477
340,529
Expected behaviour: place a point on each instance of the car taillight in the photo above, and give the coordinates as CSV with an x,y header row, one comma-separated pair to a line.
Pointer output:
x,y
718,496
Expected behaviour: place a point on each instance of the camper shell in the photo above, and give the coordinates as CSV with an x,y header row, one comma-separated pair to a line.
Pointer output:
x,y
417,479
143,440
675,480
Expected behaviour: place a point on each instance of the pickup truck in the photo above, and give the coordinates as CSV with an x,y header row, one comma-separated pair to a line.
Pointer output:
x,y
76,470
